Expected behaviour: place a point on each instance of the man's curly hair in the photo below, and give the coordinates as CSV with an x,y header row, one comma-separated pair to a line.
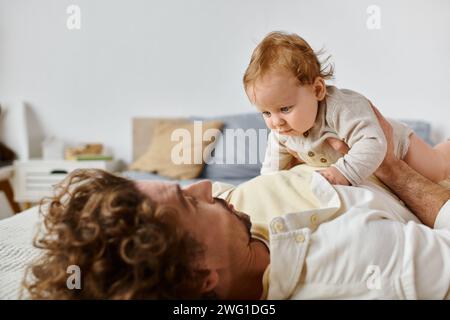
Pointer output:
x,y
126,245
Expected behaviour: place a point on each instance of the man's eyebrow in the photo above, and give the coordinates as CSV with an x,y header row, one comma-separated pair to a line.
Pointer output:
x,y
181,197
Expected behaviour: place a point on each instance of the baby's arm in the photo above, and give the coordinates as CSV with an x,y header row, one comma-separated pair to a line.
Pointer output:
x,y
277,156
334,176
357,125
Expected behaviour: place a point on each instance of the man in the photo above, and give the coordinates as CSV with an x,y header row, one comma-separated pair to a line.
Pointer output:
x,y
155,240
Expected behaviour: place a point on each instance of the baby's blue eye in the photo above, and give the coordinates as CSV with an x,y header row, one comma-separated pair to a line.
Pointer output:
x,y
285,109
266,114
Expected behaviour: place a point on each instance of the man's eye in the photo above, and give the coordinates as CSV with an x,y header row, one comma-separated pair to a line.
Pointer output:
x,y
286,109
193,201
266,114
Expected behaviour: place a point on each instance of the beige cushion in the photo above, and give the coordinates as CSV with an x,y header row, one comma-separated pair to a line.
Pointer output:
x,y
181,158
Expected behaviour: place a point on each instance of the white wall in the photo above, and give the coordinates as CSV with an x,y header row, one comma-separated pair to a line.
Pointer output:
x,y
187,57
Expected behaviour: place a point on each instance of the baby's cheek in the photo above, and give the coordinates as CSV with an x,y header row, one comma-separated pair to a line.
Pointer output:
x,y
268,123
300,121
296,122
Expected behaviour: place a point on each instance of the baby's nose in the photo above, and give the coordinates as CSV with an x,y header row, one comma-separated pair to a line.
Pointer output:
x,y
278,122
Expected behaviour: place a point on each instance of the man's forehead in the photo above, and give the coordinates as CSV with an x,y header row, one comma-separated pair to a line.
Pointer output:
x,y
159,191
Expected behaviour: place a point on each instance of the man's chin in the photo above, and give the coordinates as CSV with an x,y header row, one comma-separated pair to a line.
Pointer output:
x,y
245,218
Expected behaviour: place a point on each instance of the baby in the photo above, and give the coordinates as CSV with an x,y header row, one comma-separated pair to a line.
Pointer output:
x,y
313,123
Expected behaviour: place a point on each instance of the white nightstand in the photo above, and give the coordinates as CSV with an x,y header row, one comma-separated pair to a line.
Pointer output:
x,y
34,179
6,173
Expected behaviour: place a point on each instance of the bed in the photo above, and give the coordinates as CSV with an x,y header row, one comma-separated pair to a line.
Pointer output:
x,y
17,232
16,251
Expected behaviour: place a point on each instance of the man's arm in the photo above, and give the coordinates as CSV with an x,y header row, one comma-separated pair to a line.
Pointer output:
x,y
424,197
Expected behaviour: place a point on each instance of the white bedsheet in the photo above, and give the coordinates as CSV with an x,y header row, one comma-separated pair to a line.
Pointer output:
x,y
16,251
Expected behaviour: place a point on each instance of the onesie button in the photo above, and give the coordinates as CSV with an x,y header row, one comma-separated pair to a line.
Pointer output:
x,y
323,160
300,238
314,219
311,154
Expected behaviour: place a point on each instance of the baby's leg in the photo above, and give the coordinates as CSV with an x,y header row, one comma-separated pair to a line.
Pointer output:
x,y
433,163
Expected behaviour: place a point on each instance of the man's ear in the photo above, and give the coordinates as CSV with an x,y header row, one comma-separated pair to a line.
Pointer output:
x,y
320,89
210,282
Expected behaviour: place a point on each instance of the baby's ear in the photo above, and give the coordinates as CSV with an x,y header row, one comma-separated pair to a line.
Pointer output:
x,y
320,88
250,92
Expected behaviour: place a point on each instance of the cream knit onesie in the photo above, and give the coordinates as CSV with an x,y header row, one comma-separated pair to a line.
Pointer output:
x,y
345,115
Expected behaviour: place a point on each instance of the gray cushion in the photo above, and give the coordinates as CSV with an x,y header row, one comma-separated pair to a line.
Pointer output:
x,y
244,160
137,175
237,169
421,128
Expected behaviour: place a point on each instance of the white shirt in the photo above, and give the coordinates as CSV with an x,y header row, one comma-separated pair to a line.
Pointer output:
x,y
443,218
372,248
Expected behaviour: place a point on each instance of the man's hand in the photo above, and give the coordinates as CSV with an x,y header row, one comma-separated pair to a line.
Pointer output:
x,y
334,176
296,160
390,159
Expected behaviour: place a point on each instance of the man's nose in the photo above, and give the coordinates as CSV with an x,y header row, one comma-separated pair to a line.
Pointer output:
x,y
201,190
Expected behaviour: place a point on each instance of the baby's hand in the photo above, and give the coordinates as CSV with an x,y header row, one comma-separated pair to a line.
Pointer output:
x,y
334,176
